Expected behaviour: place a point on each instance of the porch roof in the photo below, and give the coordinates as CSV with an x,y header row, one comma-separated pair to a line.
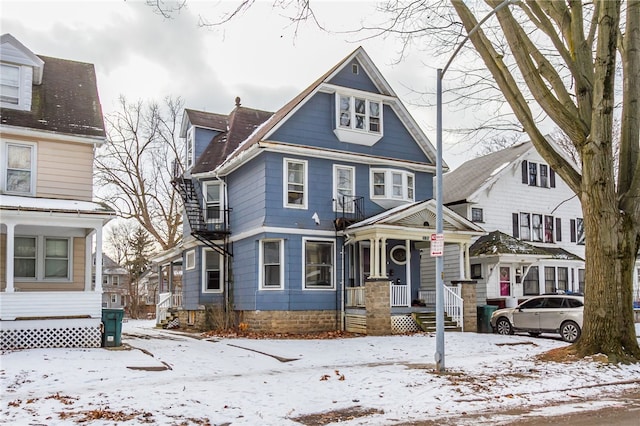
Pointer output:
x,y
414,221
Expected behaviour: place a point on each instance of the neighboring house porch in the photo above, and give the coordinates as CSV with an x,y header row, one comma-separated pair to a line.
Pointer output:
x,y
47,297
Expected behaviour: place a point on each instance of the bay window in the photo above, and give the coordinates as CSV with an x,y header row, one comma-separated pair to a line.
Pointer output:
x,y
389,184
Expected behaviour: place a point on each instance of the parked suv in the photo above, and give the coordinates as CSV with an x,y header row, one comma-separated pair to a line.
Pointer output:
x,y
557,313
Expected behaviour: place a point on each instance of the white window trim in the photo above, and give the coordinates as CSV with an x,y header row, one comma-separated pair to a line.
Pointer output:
x,y
261,263
5,166
40,258
115,280
336,195
24,94
285,184
205,192
190,259
304,264
351,134
388,185
204,272
190,147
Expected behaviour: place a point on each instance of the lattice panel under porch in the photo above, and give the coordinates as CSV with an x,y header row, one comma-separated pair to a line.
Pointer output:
x,y
67,337
401,324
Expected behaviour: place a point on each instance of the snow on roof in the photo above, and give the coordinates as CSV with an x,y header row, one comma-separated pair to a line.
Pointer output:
x,y
15,202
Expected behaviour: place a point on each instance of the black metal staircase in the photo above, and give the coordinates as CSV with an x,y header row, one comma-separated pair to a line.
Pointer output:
x,y
210,233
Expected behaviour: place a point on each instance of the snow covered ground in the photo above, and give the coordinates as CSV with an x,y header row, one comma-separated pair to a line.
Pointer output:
x,y
167,378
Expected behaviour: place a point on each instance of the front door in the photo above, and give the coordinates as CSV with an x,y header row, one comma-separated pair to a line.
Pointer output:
x,y
505,281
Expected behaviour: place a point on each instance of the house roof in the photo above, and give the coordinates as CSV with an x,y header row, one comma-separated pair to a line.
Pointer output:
x,y
66,102
16,202
208,120
241,123
270,125
497,242
460,184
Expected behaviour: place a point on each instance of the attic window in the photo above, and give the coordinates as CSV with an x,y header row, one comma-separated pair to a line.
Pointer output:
x,y
355,69
358,119
10,91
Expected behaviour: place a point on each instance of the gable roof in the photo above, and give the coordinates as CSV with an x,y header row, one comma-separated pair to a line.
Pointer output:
x,y
66,102
268,127
241,123
17,53
460,184
415,220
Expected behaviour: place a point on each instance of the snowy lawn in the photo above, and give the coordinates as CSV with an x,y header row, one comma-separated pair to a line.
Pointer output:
x,y
164,377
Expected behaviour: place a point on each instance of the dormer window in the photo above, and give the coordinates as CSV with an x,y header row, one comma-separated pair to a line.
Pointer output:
x,y
190,147
10,88
358,119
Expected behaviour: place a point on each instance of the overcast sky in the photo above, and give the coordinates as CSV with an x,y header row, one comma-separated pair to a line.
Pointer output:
x,y
142,55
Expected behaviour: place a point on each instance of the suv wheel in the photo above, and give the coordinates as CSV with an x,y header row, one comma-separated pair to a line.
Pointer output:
x,y
503,326
570,331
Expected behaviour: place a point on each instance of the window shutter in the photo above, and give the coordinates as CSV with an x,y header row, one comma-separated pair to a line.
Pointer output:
x,y
525,172
552,178
572,223
516,228
558,229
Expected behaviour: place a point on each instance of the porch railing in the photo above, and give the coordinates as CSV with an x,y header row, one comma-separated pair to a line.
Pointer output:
x,y
453,303
162,308
399,295
354,297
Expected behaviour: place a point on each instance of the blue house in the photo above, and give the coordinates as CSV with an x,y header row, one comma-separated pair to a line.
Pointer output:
x,y
311,218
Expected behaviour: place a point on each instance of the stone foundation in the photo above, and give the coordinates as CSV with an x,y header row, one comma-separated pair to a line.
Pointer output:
x,y
293,322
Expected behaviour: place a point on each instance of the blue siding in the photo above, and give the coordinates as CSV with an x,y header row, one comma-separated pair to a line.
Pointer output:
x,y
360,81
247,192
314,122
202,139
247,294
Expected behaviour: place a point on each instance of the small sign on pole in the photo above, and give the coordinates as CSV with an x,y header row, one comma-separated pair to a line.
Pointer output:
x,y
437,245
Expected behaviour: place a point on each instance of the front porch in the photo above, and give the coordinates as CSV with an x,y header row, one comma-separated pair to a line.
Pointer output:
x,y
409,314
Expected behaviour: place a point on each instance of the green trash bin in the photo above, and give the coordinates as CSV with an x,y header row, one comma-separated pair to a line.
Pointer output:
x,y
484,318
112,327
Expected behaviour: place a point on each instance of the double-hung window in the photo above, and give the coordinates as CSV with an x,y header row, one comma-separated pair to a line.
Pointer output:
x,y
10,86
272,272
577,231
42,258
213,201
295,183
18,167
344,184
318,264
212,271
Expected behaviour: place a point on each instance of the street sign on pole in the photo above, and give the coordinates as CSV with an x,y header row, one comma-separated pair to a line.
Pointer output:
x,y
437,245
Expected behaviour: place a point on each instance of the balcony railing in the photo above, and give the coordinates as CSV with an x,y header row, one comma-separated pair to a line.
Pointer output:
x,y
399,294
349,210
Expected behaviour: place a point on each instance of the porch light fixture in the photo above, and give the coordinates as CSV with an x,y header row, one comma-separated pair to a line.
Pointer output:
x,y
439,355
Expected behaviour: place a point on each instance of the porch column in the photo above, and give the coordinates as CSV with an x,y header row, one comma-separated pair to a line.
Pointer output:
x,y
10,254
407,265
374,258
88,260
98,231
383,257
465,266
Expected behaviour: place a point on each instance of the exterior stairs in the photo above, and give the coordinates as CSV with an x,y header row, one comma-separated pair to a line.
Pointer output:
x,y
427,322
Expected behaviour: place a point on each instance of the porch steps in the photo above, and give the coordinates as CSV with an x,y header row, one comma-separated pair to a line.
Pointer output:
x,y
427,322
